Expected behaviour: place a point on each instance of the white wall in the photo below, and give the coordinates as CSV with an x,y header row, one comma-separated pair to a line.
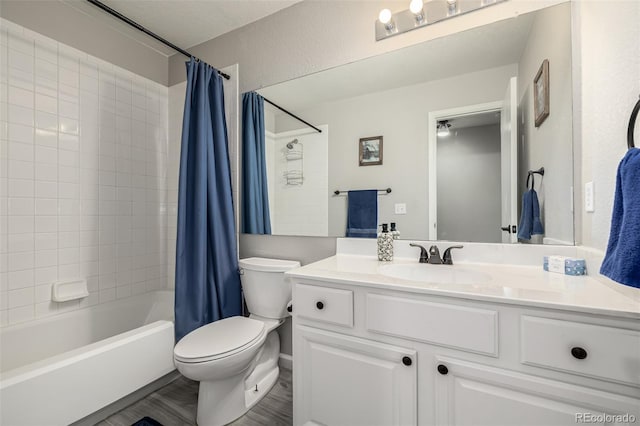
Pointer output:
x,y
311,36
549,145
607,81
82,177
401,117
469,185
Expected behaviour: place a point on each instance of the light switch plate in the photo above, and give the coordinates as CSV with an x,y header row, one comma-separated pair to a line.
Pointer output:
x,y
589,197
400,208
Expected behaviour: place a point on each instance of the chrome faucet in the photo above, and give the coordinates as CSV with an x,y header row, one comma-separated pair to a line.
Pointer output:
x,y
432,256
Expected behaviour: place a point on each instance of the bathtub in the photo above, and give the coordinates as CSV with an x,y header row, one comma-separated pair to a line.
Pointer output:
x,y
60,369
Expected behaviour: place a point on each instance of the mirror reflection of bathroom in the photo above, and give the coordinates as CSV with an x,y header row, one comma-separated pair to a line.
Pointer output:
x,y
405,110
468,154
297,162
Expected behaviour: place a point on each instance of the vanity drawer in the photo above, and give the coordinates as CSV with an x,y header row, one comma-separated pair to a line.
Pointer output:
x,y
459,327
324,304
585,349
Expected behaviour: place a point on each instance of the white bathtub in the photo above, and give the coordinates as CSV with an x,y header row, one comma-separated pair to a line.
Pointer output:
x,y
60,369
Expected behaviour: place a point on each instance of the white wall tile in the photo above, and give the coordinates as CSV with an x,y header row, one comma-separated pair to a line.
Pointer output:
x,y
20,242
20,115
21,224
45,121
46,241
19,315
45,309
21,297
82,177
46,103
46,275
20,97
46,224
45,258
46,189
21,169
19,262
20,151
20,279
20,206
43,293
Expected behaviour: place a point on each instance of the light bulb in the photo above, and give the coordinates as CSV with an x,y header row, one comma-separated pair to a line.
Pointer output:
x,y
415,7
443,129
385,16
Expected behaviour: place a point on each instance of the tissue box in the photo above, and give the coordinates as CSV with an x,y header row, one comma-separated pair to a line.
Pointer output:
x,y
565,265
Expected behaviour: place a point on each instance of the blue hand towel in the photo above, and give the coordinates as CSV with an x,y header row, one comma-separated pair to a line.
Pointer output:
x,y
622,261
362,214
530,223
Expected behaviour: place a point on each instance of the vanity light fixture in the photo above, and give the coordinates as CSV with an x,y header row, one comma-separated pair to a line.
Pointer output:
x,y
386,19
422,14
443,128
417,8
452,6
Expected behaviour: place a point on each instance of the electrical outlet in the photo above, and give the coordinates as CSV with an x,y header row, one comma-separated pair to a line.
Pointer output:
x,y
400,208
589,197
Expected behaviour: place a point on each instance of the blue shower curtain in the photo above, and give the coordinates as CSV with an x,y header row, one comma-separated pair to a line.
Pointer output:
x,y
255,196
207,286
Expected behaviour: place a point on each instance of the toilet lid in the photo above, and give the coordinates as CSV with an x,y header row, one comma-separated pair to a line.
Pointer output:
x,y
218,339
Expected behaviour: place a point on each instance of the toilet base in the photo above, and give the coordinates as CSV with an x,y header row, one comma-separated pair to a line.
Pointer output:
x,y
222,401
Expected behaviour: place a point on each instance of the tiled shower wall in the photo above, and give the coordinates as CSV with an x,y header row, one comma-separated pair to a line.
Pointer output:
x,y
82,177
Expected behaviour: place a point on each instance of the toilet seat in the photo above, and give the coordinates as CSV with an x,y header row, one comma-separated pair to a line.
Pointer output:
x,y
219,339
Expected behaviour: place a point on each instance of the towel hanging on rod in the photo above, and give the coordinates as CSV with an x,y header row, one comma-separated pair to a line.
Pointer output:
x,y
632,125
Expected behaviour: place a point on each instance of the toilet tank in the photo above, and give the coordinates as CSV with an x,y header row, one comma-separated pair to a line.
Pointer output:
x,y
265,288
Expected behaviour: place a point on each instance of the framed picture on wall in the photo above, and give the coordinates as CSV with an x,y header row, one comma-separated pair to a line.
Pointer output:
x,y
541,93
370,151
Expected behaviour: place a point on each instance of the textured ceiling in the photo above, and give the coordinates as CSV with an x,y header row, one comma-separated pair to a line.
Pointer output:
x,y
185,23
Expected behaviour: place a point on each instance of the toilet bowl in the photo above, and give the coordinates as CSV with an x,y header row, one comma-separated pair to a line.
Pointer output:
x,y
236,359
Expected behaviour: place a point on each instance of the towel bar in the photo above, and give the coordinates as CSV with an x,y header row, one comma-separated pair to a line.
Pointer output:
x,y
387,191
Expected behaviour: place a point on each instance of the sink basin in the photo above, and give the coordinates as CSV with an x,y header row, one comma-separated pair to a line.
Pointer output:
x,y
443,274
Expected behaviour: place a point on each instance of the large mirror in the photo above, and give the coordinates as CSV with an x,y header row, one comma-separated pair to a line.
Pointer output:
x,y
460,130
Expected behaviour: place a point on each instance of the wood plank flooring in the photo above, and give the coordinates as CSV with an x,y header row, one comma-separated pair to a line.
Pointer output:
x,y
176,403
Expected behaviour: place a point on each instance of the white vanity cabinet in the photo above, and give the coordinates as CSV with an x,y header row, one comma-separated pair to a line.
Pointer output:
x,y
351,381
382,356
474,394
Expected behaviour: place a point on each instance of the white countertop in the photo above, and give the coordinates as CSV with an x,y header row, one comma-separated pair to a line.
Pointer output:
x,y
513,284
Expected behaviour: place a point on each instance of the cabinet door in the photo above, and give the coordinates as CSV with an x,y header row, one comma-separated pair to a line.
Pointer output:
x,y
473,394
346,381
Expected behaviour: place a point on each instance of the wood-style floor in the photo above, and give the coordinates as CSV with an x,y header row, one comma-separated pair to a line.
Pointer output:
x,y
176,403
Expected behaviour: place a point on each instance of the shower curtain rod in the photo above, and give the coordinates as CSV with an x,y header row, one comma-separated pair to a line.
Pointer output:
x,y
292,115
139,27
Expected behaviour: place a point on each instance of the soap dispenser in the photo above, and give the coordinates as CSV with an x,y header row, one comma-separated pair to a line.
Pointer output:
x,y
385,244
394,232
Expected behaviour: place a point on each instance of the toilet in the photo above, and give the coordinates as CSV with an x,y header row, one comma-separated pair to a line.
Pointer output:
x,y
236,359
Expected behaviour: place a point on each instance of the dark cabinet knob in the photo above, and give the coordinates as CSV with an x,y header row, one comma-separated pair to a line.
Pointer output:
x,y
442,369
578,352
290,308
319,305
406,360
